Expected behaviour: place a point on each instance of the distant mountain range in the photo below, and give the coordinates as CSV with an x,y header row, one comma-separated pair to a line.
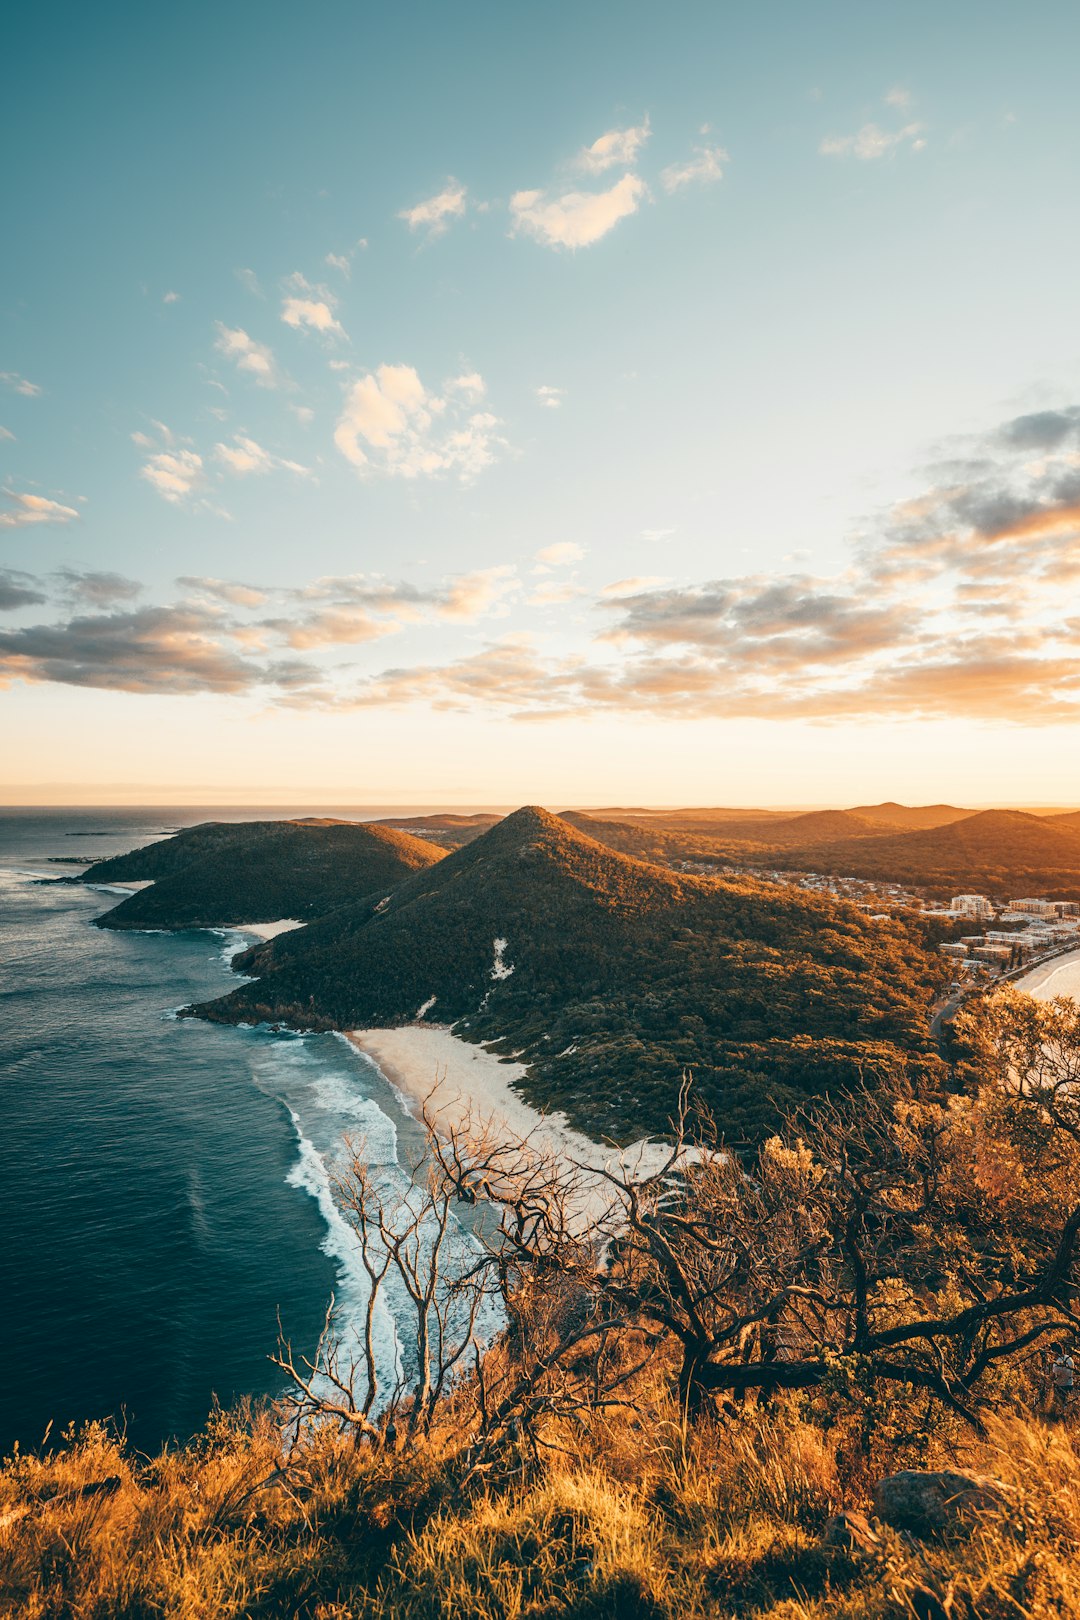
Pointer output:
x,y
610,977
224,873
1006,853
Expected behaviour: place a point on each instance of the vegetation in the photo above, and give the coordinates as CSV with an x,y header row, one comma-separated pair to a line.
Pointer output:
x,y
917,1257
612,977
223,873
1000,852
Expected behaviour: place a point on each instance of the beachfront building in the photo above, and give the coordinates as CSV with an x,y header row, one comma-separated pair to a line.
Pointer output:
x,y
1035,908
971,905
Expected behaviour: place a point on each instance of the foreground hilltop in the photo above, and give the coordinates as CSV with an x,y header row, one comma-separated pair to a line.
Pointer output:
x,y
609,977
223,873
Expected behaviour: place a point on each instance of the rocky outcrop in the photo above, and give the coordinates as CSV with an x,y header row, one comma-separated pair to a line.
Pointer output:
x,y
929,1503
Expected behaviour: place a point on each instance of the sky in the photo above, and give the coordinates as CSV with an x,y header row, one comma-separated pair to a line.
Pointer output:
x,y
582,403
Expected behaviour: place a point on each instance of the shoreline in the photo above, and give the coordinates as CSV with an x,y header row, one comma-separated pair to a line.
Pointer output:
x,y
1038,982
462,1083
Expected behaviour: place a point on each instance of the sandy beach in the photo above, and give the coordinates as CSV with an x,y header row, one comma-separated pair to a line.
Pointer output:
x,y
1060,977
459,1081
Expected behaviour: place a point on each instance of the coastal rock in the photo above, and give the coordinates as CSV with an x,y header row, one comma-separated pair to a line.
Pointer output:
x,y
851,1531
928,1503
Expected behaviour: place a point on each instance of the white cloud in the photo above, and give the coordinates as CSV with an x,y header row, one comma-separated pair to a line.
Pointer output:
x,y
615,147
314,313
470,596
705,167
6,433
20,385
871,142
436,213
551,398
248,279
470,383
391,424
250,356
635,583
577,218
656,534
171,298
339,262
303,413
553,595
244,456
898,97
563,552
173,473
28,509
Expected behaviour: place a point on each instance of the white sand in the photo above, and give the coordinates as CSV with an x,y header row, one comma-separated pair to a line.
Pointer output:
x,y
269,930
1060,977
461,1082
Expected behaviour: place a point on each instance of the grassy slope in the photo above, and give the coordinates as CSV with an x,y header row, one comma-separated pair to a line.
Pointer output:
x,y
221,874
632,1520
623,976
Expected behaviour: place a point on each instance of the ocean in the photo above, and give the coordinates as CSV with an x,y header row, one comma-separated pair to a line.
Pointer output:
x,y
165,1183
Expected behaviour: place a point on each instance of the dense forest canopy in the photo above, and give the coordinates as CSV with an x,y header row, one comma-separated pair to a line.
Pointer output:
x,y
221,874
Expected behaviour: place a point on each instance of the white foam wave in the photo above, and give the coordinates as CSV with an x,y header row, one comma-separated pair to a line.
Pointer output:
x,y
312,1175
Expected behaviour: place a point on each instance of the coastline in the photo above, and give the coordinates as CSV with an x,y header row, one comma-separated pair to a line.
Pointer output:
x,y
460,1083
1040,981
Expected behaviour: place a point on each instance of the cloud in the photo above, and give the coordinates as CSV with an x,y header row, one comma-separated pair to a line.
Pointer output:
x,y
18,590
175,474
471,596
249,356
653,535
393,425
561,553
249,280
6,433
871,142
149,650
171,298
97,588
436,213
898,97
550,398
617,148
29,509
311,308
234,592
20,385
554,594
634,585
577,218
470,383
705,167
339,262
245,455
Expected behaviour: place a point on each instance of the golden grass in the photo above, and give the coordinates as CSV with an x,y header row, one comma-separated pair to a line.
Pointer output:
x,y
635,1519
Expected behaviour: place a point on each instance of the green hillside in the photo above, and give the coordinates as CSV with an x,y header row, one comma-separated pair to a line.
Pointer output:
x,y
221,874
1006,853
610,977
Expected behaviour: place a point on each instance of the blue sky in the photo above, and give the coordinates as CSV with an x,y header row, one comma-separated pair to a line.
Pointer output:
x,y
583,403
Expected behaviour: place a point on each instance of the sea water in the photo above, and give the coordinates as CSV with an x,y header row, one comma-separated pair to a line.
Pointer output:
x,y
165,1184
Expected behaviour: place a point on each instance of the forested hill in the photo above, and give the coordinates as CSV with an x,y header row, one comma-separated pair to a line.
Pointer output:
x,y
224,873
1006,853
609,977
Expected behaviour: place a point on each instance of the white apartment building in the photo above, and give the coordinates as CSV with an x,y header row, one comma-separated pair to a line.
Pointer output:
x,y
971,905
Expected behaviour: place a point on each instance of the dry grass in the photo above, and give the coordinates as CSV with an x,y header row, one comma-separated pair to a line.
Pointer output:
x,y
635,1519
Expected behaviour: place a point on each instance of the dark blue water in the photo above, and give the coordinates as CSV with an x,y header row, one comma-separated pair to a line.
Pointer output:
x,y
163,1183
